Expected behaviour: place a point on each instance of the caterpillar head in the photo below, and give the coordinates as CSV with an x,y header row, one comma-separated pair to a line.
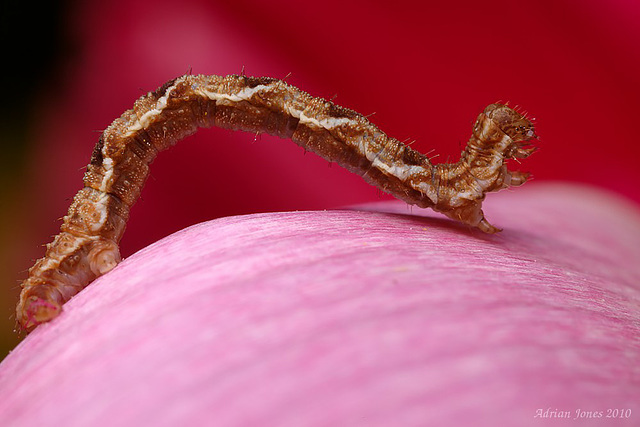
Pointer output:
x,y
516,125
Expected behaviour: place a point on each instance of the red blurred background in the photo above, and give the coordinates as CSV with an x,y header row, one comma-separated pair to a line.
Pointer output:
x,y
426,69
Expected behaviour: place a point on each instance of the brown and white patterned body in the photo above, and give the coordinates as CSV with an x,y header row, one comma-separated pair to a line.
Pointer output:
x,y
87,245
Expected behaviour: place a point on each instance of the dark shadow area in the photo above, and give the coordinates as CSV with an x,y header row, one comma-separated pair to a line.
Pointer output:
x,y
35,46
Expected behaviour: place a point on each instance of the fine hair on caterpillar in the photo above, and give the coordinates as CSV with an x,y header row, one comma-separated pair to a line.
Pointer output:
x,y
87,245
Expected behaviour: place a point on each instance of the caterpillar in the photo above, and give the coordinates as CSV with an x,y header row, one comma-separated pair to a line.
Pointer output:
x,y
87,245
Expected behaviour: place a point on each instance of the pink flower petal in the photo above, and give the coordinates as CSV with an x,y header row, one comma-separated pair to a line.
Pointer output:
x,y
377,317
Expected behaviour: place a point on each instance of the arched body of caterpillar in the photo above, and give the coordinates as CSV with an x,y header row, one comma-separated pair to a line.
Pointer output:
x,y
87,245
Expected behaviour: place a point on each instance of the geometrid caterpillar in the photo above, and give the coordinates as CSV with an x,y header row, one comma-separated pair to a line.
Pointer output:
x,y
87,245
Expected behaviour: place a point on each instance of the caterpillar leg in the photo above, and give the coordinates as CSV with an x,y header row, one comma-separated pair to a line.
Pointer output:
x,y
472,215
485,226
518,178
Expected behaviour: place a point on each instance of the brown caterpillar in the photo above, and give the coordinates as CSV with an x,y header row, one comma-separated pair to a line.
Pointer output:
x,y
87,245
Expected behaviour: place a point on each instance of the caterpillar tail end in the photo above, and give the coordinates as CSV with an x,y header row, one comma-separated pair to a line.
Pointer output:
x,y
42,304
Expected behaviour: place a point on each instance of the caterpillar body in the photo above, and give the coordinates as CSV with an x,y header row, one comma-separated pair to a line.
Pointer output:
x,y
87,245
